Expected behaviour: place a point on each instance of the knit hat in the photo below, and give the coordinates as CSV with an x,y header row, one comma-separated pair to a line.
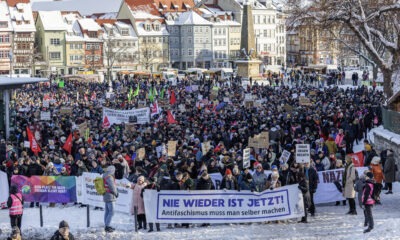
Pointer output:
x,y
228,172
369,175
63,224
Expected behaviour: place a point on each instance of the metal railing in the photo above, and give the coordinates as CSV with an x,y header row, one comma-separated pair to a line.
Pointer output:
x,y
391,120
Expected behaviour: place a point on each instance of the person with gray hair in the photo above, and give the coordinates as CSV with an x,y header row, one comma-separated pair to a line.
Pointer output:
x,y
109,197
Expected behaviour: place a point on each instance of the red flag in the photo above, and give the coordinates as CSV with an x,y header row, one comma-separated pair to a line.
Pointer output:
x,y
68,144
106,122
170,118
32,141
357,158
172,99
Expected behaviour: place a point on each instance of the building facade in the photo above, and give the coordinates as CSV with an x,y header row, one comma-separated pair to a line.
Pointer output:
x,y
6,35
50,41
74,44
23,50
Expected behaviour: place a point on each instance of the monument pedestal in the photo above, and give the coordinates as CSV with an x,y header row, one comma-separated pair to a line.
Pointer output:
x,y
248,68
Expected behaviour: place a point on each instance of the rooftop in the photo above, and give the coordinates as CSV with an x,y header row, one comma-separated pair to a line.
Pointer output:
x,y
52,21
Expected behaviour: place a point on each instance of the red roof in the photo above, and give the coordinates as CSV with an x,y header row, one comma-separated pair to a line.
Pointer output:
x,y
159,7
12,3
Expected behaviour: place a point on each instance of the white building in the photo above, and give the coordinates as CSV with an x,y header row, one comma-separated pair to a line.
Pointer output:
x,y
121,47
269,28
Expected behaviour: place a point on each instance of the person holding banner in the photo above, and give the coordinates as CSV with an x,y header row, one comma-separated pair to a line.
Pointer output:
x,y
304,188
312,178
259,178
349,178
138,202
109,197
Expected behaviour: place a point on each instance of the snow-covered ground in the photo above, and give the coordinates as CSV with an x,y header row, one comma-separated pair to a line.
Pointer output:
x,y
330,222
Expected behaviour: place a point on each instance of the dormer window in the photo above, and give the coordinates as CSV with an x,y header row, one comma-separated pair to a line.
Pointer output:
x,y
19,22
92,34
3,24
111,32
124,32
147,27
27,22
156,27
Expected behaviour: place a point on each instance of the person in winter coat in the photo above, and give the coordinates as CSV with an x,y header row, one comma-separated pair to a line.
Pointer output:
x,y
247,183
229,182
109,197
274,182
377,171
324,161
331,145
312,179
96,168
205,182
259,178
286,175
303,186
389,171
15,203
369,154
138,202
349,177
359,188
368,202
63,232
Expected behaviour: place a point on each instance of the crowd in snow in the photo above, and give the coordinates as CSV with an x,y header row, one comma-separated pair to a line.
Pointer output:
x,y
335,120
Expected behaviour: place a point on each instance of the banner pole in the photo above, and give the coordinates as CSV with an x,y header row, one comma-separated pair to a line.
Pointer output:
x,y
135,213
87,216
41,215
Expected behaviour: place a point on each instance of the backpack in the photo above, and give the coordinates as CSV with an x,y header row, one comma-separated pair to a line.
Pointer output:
x,y
376,191
99,185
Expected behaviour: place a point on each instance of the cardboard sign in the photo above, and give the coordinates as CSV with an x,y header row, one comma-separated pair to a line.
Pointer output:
x,y
304,101
27,144
303,153
312,93
172,148
246,158
259,141
288,108
249,104
195,88
51,144
226,99
45,116
141,153
205,147
214,95
82,128
284,157
66,110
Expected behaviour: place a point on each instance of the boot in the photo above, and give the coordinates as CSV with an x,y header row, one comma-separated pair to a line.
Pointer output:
x,y
150,227
158,227
367,230
139,223
144,222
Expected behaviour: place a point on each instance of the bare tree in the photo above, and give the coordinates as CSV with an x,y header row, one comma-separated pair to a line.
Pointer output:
x,y
113,53
375,24
148,53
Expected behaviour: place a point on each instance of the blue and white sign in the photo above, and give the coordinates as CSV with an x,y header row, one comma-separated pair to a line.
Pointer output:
x,y
223,206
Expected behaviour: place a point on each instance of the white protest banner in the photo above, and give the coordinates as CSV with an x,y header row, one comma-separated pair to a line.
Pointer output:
x,y
45,116
90,196
303,153
284,157
3,189
122,116
79,188
222,206
327,191
246,158
217,179
46,103
27,144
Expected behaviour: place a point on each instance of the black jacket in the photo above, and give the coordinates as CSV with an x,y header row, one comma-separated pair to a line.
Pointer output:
x,y
312,180
205,184
57,236
229,184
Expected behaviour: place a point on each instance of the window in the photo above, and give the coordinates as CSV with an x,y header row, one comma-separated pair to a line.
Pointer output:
x,y
183,52
90,46
4,54
190,40
3,24
71,46
124,32
4,38
147,27
54,41
55,55
190,52
92,34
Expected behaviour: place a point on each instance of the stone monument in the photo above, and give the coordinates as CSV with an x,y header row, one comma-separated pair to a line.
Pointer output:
x,y
248,64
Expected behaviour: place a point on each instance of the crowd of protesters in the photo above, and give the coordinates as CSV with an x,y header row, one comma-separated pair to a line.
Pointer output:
x,y
335,120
